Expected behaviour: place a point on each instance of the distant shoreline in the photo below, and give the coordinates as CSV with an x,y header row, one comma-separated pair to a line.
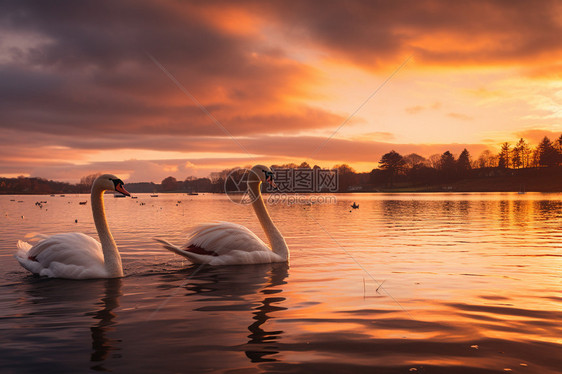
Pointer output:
x,y
479,180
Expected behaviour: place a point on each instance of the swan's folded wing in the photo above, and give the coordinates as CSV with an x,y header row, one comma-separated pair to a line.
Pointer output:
x,y
69,248
224,237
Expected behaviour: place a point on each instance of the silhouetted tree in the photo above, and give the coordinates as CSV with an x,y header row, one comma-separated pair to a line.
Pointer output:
x,y
422,174
448,166
346,176
169,184
434,161
484,160
548,155
464,163
447,161
504,160
517,156
393,163
414,159
558,143
193,184
534,159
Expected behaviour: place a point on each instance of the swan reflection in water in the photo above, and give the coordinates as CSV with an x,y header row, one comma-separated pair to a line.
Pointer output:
x,y
58,308
101,344
261,343
248,285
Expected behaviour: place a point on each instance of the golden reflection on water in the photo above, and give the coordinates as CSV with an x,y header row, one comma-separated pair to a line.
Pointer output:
x,y
458,271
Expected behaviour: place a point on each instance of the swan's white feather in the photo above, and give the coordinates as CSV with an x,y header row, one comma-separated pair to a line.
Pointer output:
x,y
233,244
70,255
224,237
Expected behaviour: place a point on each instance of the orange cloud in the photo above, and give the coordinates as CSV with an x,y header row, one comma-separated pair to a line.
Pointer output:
x,y
535,136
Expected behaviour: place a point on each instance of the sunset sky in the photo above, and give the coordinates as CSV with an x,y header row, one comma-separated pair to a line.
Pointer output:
x,y
110,86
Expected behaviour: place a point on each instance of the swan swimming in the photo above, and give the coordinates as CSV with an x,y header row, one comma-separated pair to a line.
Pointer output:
x,y
75,255
226,243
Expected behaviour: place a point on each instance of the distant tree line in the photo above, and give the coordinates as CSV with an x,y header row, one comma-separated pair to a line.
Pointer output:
x,y
394,171
40,186
446,168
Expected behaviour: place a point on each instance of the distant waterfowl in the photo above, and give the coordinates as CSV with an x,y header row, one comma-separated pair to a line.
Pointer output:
x,y
226,243
75,255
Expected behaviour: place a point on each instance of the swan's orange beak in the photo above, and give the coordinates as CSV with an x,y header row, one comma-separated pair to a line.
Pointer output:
x,y
120,188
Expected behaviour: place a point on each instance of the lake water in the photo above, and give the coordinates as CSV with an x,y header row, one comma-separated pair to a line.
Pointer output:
x,y
423,283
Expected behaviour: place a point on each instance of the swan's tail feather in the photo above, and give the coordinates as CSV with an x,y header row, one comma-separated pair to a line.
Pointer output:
x,y
21,253
195,258
22,256
23,246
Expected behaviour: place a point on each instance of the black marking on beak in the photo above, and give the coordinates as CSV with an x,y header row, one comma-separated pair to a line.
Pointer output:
x,y
116,181
118,184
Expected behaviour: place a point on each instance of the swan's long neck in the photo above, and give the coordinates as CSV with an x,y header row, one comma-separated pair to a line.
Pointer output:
x,y
274,236
112,258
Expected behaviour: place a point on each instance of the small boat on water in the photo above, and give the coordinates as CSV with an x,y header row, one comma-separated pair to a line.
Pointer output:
x,y
192,193
116,196
83,202
154,195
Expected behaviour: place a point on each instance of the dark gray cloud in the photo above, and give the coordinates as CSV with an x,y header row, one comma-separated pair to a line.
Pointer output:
x,y
82,69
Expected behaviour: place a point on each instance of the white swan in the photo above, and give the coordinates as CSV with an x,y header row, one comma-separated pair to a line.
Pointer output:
x,y
75,255
226,243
